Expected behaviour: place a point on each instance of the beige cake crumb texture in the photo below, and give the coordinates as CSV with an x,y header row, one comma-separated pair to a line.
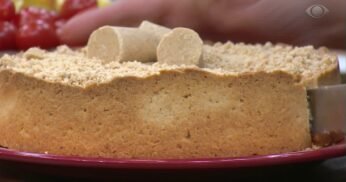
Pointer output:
x,y
178,113
75,68
180,46
121,44
311,66
314,66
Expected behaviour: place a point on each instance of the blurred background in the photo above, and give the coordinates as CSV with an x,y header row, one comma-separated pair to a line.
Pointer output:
x,y
29,23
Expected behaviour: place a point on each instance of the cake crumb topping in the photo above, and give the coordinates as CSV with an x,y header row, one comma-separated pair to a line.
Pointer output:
x,y
73,67
305,61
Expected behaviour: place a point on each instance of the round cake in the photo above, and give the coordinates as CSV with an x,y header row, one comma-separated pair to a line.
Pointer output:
x,y
241,100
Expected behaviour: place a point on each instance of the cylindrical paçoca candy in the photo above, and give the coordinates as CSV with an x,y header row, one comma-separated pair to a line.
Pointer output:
x,y
180,46
122,44
158,30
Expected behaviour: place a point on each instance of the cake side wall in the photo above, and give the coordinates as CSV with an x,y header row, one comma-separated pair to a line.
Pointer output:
x,y
178,114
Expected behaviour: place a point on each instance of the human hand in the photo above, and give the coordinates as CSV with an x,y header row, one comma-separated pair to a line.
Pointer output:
x,y
236,20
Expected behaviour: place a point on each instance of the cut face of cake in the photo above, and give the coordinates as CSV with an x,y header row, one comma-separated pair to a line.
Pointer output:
x,y
243,100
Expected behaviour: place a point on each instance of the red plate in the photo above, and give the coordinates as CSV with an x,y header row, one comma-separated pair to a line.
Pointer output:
x,y
15,165
207,163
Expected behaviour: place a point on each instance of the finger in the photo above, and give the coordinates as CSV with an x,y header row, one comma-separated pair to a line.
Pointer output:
x,y
122,13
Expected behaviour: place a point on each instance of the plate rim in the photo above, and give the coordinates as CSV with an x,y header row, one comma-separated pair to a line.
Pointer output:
x,y
198,163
